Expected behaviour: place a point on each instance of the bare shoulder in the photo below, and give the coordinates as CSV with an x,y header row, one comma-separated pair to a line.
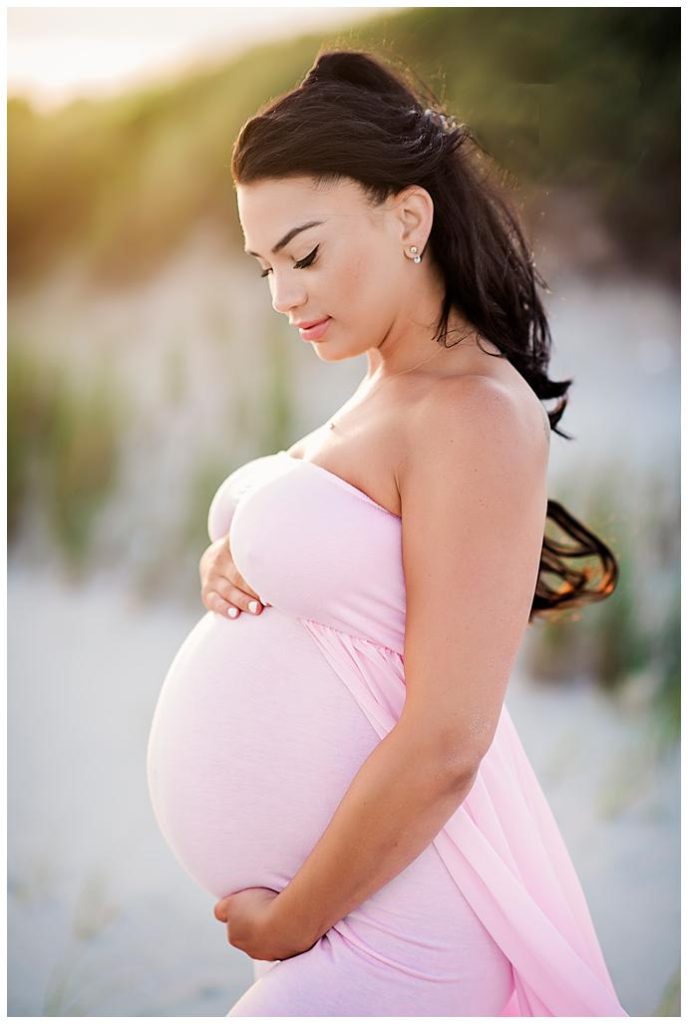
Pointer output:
x,y
474,416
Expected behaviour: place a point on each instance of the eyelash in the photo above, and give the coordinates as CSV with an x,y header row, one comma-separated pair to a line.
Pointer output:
x,y
301,264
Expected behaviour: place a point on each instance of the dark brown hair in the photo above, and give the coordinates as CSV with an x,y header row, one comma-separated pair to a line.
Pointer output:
x,y
353,117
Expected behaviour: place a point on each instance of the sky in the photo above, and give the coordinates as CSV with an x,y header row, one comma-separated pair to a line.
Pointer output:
x,y
55,54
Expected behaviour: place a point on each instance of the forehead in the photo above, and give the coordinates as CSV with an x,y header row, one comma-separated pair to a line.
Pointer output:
x,y
267,209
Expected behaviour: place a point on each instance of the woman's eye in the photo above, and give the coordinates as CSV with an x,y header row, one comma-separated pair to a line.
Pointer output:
x,y
305,262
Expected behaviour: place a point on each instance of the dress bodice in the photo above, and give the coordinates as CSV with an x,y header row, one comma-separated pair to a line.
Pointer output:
x,y
310,543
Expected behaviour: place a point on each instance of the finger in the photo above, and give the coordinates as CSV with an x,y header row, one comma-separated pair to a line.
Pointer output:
x,y
214,602
220,911
233,595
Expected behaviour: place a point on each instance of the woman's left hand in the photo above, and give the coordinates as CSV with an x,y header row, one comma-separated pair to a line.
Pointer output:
x,y
252,926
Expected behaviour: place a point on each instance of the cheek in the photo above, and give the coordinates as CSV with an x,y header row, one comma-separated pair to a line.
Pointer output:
x,y
364,286
357,270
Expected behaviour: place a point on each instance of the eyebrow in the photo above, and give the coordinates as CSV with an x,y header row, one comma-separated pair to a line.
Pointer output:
x,y
288,237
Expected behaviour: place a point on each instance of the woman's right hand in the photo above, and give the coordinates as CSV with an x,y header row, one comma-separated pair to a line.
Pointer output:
x,y
223,588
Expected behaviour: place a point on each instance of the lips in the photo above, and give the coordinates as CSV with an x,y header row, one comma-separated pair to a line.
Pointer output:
x,y
307,324
317,331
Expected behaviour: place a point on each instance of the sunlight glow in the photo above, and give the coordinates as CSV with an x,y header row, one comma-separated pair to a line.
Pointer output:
x,y
57,54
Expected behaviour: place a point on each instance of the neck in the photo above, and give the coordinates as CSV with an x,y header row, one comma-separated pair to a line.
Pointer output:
x,y
403,354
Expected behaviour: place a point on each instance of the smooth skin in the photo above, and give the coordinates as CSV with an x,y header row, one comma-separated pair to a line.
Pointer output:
x,y
459,448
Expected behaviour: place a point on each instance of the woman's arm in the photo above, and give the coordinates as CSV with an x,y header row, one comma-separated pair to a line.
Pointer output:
x,y
474,502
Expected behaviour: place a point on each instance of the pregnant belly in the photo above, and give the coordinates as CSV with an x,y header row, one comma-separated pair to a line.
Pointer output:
x,y
254,742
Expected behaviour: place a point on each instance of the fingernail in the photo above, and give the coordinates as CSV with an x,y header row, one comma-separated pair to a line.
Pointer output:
x,y
232,612
253,606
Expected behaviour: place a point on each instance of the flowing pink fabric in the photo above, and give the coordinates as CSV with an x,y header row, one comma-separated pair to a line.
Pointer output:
x,y
502,847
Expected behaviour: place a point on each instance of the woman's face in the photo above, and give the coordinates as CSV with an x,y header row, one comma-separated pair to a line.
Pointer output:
x,y
351,266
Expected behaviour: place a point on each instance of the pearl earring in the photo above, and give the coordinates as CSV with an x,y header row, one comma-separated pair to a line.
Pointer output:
x,y
416,258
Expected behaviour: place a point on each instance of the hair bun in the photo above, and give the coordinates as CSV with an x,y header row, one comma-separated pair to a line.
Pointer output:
x,y
339,66
353,67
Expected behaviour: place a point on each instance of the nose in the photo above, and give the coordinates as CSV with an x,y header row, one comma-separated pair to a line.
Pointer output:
x,y
287,293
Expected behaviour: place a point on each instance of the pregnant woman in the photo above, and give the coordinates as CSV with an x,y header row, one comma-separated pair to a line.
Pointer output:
x,y
336,764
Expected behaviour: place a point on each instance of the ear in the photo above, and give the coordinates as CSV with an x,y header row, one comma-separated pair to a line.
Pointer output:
x,y
413,211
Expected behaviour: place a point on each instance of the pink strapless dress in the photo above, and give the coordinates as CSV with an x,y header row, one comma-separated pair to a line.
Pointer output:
x,y
262,724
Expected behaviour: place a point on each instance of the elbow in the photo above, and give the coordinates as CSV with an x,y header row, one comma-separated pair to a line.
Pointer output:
x,y
461,770
454,761
455,758
459,757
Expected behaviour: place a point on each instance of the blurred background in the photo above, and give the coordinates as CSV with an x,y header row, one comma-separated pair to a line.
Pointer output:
x,y
145,363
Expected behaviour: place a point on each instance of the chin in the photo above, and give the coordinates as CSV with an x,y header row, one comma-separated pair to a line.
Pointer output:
x,y
328,353
332,353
